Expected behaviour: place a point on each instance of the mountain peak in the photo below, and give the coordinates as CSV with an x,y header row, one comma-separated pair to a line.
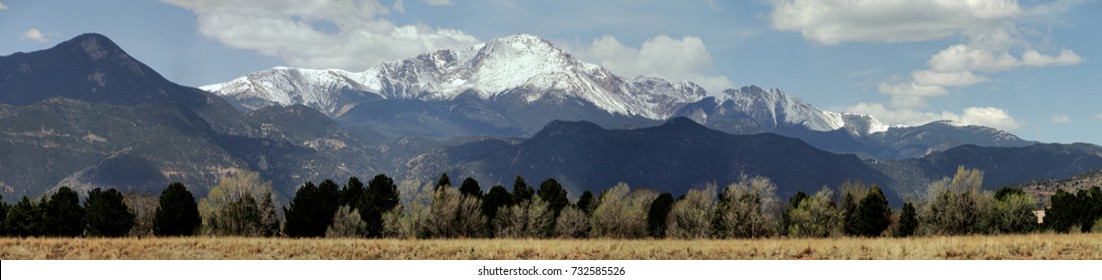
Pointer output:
x,y
95,45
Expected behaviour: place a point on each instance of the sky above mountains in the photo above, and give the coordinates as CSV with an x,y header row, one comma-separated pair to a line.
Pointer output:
x,y
1029,67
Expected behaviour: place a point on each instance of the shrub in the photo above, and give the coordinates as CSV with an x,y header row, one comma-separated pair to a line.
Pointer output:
x,y
525,219
572,223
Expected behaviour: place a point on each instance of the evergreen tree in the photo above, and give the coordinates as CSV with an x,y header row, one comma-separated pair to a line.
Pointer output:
x,y
443,181
908,221
312,209
353,194
521,190
4,207
105,214
24,219
382,196
63,214
873,214
470,187
177,214
849,214
658,214
554,194
585,202
497,197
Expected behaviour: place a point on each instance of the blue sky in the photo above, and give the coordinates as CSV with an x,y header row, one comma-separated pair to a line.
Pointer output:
x,y
1029,67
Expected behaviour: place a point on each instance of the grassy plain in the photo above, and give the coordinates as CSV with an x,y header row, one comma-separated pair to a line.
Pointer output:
x,y
1033,246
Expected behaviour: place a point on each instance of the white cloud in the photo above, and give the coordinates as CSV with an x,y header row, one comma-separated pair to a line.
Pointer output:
x,y
834,21
1060,119
660,56
965,57
3,6
985,116
319,33
991,42
1098,116
438,2
34,34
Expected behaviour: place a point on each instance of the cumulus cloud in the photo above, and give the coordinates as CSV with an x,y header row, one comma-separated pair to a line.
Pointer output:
x,y
34,34
660,56
991,42
351,35
1060,119
985,116
834,21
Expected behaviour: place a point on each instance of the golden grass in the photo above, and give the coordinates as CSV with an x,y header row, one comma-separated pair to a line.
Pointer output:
x,y
1034,246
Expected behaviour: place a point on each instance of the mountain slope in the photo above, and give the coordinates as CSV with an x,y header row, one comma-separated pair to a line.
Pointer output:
x,y
1001,165
672,157
85,114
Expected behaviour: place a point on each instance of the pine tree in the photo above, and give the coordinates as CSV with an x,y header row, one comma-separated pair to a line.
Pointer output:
x,y
177,214
470,187
873,214
4,207
554,194
908,221
443,181
382,196
497,197
353,194
585,202
312,209
849,214
63,214
24,219
106,214
521,190
657,215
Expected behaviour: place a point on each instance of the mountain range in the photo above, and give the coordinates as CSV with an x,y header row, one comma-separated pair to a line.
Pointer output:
x,y
513,86
86,114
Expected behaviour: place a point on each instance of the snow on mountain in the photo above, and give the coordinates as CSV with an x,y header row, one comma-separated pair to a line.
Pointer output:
x,y
497,67
774,108
523,65
862,124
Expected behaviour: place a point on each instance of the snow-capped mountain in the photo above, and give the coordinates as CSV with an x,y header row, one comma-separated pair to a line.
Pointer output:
x,y
515,85
773,108
862,124
519,64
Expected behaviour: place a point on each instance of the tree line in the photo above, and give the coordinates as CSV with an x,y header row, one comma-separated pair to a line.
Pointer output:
x,y
244,205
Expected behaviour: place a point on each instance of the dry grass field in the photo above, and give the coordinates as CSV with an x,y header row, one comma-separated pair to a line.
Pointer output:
x,y
1035,246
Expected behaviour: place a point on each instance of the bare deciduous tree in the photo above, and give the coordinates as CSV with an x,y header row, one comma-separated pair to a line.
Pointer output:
x,y
572,223
748,208
622,213
691,217
527,219
453,214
